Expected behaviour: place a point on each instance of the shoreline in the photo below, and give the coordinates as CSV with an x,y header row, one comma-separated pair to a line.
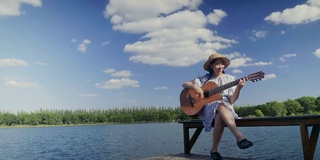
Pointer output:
x,y
70,125
47,126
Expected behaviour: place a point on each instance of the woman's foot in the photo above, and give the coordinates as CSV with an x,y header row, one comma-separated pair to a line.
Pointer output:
x,y
244,144
215,155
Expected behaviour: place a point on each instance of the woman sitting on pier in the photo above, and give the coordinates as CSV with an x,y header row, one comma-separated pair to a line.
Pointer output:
x,y
221,111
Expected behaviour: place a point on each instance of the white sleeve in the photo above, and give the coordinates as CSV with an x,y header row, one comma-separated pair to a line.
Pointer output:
x,y
197,82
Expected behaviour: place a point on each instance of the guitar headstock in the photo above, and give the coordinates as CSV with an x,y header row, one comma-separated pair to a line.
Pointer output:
x,y
255,76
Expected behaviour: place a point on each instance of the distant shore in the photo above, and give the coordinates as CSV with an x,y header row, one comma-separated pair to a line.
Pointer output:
x,y
44,126
68,125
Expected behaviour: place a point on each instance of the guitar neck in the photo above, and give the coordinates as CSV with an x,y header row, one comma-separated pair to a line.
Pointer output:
x,y
225,86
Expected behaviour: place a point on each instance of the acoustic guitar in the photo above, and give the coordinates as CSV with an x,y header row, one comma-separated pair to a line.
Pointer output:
x,y
192,105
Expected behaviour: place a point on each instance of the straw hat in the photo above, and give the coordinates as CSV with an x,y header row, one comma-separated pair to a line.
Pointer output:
x,y
214,56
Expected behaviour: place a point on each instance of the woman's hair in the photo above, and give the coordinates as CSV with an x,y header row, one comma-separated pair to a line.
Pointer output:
x,y
211,70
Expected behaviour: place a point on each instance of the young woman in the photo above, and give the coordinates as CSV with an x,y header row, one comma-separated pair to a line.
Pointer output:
x,y
221,111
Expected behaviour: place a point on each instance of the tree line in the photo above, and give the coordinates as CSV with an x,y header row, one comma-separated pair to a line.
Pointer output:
x,y
93,116
300,106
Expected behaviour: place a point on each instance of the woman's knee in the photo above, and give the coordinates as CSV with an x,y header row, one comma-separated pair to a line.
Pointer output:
x,y
222,108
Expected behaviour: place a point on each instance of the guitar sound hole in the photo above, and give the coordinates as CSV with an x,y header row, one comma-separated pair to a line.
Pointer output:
x,y
206,94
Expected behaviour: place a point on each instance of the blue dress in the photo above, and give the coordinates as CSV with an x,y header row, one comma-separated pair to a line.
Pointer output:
x,y
209,110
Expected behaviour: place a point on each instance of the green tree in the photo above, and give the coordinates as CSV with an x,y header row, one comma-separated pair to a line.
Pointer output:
x,y
317,103
293,107
33,119
245,111
277,108
101,118
164,117
83,117
258,113
9,119
22,117
308,103
70,118
46,118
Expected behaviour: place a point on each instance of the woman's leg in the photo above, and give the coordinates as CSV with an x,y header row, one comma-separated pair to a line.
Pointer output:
x,y
228,119
217,132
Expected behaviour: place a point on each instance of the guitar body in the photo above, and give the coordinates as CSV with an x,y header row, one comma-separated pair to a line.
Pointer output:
x,y
192,105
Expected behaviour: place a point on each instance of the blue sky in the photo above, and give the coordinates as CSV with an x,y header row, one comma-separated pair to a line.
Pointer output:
x,y
102,54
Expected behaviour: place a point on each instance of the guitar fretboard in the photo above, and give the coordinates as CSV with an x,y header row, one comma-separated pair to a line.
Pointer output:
x,y
223,87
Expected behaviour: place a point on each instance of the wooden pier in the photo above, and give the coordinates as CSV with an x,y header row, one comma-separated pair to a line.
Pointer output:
x,y
309,143
183,156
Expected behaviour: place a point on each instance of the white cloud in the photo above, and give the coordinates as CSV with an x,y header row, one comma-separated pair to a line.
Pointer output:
x,y
161,88
105,43
284,66
261,34
304,13
284,57
260,63
83,45
20,83
317,53
115,73
237,71
110,70
138,10
234,55
314,2
123,73
12,7
88,95
290,55
269,76
118,83
12,62
238,62
164,47
258,35
215,17
40,63
160,22
241,60
174,21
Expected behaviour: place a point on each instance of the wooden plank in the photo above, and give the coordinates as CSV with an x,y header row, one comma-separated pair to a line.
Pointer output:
x,y
308,144
189,142
181,156
265,121
314,139
305,142
194,137
186,141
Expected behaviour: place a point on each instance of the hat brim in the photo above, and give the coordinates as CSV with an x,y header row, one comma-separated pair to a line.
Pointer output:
x,y
226,61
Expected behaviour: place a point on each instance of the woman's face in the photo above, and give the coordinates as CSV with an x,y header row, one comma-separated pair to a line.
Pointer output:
x,y
218,67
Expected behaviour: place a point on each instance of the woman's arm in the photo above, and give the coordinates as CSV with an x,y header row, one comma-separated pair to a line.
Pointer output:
x,y
193,85
236,93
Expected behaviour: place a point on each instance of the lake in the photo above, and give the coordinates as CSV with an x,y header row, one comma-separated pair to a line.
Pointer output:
x,y
138,141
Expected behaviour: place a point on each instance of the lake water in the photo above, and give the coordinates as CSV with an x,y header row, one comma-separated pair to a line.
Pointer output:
x,y
138,141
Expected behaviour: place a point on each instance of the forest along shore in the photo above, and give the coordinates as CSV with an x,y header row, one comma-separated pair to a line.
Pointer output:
x,y
46,117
